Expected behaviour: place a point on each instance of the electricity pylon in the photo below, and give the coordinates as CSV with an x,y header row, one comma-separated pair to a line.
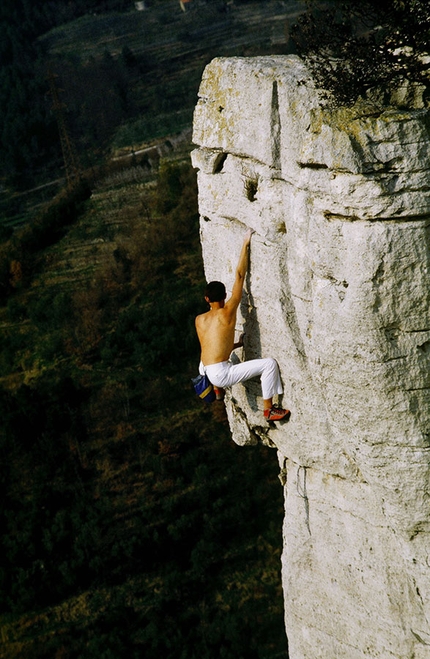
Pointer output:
x,y
71,162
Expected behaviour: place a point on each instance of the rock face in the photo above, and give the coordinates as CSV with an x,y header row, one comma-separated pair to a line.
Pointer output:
x,y
338,292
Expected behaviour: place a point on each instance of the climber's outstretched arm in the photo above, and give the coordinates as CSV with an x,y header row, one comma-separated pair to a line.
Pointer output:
x,y
242,266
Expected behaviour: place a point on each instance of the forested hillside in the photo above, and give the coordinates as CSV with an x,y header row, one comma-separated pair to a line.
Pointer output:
x,y
132,526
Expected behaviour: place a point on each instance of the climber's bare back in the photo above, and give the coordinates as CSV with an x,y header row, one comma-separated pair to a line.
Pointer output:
x,y
215,330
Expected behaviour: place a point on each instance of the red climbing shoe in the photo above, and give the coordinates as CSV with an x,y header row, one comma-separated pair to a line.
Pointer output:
x,y
276,413
219,393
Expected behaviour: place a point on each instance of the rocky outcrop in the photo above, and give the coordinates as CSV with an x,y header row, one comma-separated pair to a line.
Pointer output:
x,y
339,292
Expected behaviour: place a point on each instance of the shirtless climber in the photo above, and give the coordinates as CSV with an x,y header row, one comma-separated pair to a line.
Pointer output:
x,y
215,330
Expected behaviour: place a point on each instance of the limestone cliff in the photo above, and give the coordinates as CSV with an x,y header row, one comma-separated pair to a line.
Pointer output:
x,y
338,291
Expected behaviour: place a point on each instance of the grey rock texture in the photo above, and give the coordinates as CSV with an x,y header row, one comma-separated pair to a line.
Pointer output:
x,y
338,291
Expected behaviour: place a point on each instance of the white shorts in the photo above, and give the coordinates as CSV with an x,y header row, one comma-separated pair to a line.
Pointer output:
x,y
225,374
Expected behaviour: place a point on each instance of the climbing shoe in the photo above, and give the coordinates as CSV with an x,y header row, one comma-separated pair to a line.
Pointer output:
x,y
276,413
219,393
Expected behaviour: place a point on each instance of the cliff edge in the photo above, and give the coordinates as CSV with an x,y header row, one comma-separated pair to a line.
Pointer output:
x,y
338,292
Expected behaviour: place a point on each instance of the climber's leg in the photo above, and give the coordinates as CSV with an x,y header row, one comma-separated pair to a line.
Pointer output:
x,y
225,374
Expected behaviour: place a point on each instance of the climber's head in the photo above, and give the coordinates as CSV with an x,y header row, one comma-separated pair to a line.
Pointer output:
x,y
215,291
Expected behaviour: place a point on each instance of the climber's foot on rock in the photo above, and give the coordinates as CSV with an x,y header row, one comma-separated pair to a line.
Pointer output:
x,y
276,413
219,393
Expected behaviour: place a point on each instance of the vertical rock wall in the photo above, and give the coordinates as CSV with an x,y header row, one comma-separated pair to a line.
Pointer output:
x,y
338,291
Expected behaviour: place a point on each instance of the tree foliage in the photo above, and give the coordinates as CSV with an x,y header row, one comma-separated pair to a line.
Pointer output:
x,y
374,45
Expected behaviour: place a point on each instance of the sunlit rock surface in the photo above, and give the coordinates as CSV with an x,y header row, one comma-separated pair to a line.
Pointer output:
x,y
338,292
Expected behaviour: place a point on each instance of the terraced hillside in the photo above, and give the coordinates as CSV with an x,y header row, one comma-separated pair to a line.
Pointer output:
x,y
125,79
164,32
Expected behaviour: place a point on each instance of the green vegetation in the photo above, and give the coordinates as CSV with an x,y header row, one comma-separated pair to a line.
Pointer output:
x,y
372,46
132,526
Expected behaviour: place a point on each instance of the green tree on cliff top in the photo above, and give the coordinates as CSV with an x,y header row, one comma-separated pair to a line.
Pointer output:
x,y
375,45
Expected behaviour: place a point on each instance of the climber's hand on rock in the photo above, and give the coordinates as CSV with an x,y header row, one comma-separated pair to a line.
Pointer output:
x,y
239,342
248,235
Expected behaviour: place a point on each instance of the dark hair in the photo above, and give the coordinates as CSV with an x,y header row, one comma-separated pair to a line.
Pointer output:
x,y
215,291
